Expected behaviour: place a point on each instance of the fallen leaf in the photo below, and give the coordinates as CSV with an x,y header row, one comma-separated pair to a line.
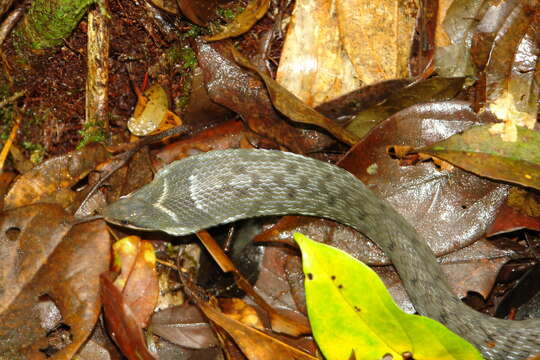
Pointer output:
x,y
254,10
314,65
433,89
123,325
292,107
184,325
348,319
61,172
244,93
377,36
478,151
254,343
453,38
46,262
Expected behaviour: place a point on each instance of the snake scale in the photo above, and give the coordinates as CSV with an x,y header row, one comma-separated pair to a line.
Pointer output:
x,y
223,186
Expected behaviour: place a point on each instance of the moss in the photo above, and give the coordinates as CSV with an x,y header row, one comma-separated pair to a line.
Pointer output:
x,y
189,59
91,132
37,151
48,22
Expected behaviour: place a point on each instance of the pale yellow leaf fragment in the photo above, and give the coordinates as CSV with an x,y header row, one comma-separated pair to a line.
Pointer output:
x,y
505,109
314,65
377,36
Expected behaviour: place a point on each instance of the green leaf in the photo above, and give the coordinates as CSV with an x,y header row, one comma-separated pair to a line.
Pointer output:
x,y
351,312
478,151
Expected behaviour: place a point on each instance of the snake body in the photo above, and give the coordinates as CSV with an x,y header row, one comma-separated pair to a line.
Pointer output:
x,y
223,186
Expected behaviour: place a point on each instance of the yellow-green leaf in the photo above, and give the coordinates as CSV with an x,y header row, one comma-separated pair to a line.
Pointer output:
x,y
479,151
351,312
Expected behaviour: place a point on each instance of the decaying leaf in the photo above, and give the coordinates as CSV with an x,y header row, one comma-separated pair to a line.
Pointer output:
x,y
152,112
243,92
314,65
57,173
184,325
122,323
50,276
377,36
292,107
138,278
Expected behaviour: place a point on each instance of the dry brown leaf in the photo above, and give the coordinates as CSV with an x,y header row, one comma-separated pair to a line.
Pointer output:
x,y
122,323
254,343
50,276
377,36
314,66
57,173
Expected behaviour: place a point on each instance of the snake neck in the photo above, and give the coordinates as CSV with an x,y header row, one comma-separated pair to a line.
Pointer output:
x,y
432,295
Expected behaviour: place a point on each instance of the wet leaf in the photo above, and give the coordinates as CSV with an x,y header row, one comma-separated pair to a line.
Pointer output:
x,y
434,89
200,11
229,135
241,91
454,38
138,281
292,107
61,172
142,288
123,325
511,83
48,267
351,312
344,108
479,151
184,325
254,10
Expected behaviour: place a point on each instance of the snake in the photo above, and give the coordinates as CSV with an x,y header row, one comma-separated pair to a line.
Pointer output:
x,y
223,186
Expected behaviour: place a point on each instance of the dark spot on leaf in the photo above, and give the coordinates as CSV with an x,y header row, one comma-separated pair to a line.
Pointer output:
x,y
13,233
333,277
357,309
387,357
340,286
310,276
407,355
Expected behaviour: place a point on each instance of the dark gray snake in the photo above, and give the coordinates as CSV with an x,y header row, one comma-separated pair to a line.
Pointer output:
x,y
223,186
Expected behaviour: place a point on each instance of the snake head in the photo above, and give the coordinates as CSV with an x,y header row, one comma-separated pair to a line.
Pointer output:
x,y
132,212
